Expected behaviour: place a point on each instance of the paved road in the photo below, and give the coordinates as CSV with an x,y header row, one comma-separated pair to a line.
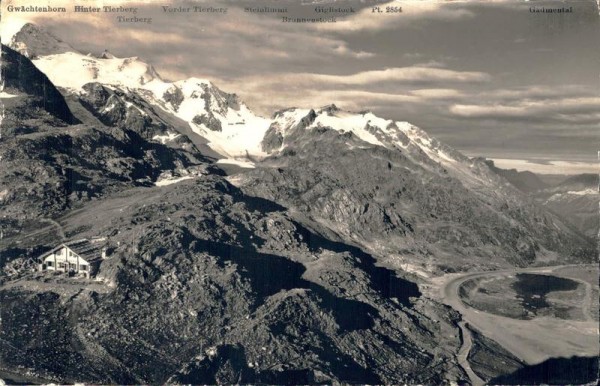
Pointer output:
x,y
463,355
533,341
588,301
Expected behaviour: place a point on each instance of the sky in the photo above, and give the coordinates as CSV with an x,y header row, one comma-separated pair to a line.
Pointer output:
x,y
490,78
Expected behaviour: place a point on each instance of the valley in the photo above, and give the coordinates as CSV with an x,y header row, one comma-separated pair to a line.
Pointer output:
x,y
539,338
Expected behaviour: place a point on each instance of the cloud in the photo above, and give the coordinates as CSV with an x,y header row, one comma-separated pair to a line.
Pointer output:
x,y
355,91
540,92
277,97
402,74
430,63
343,50
565,109
438,93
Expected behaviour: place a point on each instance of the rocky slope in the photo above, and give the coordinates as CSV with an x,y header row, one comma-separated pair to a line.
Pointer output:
x,y
33,91
208,285
33,42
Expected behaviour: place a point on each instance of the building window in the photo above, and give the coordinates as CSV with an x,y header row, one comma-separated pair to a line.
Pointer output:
x,y
83,267
50,263
61,265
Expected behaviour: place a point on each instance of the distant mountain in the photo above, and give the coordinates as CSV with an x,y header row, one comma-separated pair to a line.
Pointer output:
x,y
552,179
525,181
577,199
580,182
227,124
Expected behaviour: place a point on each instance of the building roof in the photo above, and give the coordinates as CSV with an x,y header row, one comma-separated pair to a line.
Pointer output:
x,y
90,252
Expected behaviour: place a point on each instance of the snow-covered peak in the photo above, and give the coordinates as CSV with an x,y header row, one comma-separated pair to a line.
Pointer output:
x,y
215,99
191,85
107,55
230,127
365,125
414,142
73,70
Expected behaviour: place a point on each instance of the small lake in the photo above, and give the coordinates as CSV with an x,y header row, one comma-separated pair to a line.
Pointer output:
x,y
532,289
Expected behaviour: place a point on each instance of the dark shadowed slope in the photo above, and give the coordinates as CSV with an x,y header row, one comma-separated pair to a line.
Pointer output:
x,y
557,371
20,76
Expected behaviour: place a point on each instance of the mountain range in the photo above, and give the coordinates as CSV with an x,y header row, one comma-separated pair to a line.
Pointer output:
x,y
243,249
573,198
424,197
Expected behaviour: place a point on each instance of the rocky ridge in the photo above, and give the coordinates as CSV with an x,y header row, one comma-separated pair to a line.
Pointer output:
x,y
391,188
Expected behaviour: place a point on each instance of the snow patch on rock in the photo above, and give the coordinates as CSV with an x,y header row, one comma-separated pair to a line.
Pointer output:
x,y
170,136
243,164
171,180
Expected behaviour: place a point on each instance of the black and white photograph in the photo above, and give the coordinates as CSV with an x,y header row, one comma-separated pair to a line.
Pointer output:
x,y
299,192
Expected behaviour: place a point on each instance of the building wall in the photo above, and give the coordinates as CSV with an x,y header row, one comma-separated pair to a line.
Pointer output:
x,y
65,260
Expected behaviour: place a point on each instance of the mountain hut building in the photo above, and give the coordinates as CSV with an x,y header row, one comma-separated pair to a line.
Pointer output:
x,y
80,257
